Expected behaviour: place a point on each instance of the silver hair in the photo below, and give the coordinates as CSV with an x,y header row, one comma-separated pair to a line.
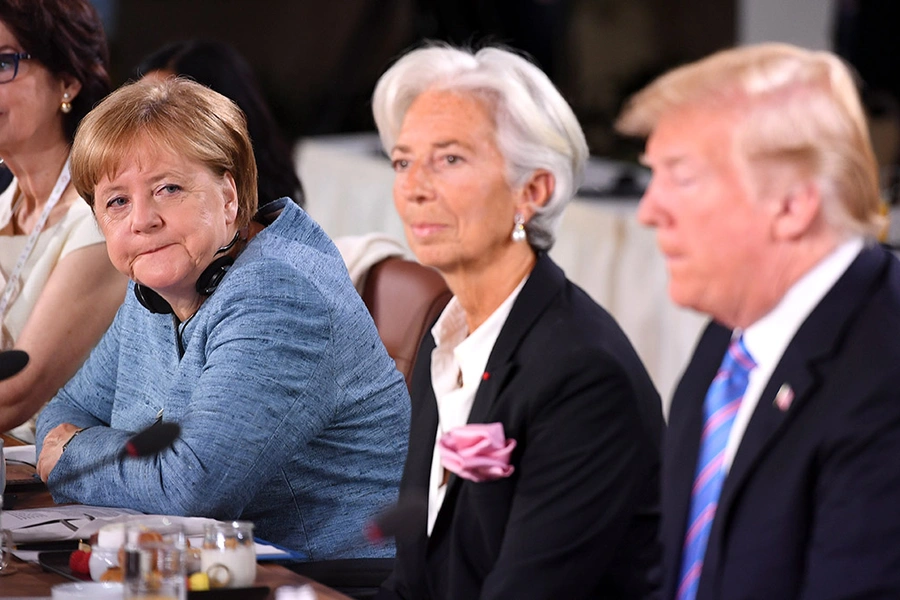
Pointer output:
x,y
536,128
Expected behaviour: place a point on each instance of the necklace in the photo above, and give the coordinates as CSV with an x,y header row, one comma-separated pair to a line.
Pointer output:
x,y
13,283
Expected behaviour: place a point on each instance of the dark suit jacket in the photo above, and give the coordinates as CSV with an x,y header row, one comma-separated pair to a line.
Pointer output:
x,y
578,518
6,178
811,506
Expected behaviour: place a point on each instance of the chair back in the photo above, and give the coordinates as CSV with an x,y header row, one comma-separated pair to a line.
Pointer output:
x,y
404,298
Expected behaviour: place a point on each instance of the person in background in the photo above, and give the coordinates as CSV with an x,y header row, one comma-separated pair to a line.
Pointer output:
x,y
58,290
219,66
779,480
535,435
292,414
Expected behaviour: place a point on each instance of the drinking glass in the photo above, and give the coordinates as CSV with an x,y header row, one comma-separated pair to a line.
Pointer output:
x,y
155,554
2,472
228,556
6,541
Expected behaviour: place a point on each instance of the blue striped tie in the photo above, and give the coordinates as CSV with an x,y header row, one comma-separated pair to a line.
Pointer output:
x,y
721,405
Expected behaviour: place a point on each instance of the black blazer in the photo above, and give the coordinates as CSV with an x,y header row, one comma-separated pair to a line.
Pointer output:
x,y
811,507
578,518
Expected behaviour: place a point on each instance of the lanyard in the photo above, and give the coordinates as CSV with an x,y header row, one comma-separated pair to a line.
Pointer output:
x,y
12,284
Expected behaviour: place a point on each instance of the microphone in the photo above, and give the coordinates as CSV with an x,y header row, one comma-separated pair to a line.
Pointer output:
x,y
12,362
400,519
145,443
152,440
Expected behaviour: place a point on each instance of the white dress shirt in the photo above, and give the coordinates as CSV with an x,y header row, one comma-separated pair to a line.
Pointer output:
x,y
767,339
457,365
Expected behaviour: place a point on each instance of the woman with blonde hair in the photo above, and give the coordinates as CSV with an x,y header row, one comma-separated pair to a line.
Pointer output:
x,y
242,326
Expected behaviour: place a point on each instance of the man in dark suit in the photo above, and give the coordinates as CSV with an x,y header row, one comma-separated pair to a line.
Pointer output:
x,y
780,478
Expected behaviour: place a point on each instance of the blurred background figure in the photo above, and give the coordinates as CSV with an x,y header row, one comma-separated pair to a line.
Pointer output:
x,y
292,414
221,68
59,289
865,34
521,363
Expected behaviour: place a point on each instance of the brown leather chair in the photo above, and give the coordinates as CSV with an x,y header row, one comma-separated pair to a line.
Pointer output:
x,y
404,299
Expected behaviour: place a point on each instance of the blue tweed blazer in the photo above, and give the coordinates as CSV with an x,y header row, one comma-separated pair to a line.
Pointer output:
x,y
293,415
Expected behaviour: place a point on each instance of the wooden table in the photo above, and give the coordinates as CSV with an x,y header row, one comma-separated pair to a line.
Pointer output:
x,y
30,581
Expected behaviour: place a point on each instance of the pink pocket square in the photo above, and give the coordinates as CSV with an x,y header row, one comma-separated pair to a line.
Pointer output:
x,y
477,452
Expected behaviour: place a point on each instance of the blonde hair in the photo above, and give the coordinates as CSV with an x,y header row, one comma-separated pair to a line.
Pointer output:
x,y
536,128
176,115
793,106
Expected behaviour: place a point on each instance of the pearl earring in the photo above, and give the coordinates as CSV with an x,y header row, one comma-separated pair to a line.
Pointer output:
x,y
66,106
518,232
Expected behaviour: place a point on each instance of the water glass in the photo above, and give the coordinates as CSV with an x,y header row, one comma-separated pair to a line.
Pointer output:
x,y
6,541
2,470
155,555
228,556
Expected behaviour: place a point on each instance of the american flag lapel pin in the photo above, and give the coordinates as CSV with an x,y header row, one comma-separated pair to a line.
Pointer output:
x,y
784,397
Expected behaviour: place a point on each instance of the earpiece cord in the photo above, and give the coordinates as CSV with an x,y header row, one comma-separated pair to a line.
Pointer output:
x,y
229,245
179,332
207,282
179,326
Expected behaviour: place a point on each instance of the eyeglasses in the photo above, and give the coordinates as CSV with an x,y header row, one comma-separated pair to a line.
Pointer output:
x,y
9,65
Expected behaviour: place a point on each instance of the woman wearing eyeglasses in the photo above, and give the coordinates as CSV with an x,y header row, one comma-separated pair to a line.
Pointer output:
x,y
58,289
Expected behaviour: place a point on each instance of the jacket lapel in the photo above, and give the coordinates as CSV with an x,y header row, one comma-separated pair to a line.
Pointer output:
x,y
423,428
544,283
818,338
424,417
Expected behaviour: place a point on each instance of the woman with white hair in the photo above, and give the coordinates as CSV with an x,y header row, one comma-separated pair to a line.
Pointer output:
x,y
534,446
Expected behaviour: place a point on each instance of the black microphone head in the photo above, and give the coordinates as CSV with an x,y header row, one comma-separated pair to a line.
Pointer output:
x,y
152,440
398,520
11,362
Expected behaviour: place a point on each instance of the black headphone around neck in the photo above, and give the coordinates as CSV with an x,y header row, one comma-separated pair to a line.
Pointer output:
x,y
206,284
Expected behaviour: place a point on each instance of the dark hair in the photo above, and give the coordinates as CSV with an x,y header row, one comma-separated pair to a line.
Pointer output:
x,y
67,37
221,68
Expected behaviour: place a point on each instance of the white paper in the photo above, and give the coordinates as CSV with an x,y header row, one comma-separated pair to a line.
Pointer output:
x,y
23,454
27,555
49,524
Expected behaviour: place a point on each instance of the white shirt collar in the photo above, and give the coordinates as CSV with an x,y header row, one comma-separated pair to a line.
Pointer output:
x,y
768,338
470,350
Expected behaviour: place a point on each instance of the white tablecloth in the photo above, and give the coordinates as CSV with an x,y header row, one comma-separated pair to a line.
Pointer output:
x,y
600,245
